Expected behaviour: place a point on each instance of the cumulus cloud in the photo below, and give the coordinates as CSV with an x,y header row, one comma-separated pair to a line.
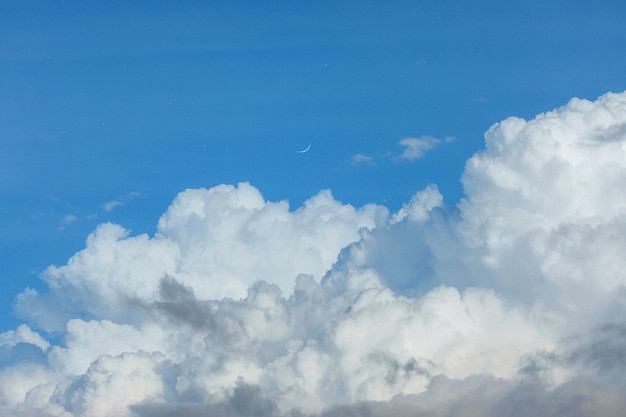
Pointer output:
x,y
508,304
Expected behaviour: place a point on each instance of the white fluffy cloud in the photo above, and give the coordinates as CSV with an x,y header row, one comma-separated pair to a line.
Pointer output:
x,y
218,241
238,306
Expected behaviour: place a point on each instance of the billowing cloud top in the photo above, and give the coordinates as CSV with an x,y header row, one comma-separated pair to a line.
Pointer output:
x,y
238,306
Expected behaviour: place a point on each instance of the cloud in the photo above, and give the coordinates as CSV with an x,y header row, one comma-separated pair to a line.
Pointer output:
x,y
111,205
245,400
416,148
120,201
360,158
216,241
507,304
595,362
23,334
70,218
419,207
67,220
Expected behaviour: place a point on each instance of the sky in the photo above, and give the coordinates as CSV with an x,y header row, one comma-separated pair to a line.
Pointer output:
x,y
326,209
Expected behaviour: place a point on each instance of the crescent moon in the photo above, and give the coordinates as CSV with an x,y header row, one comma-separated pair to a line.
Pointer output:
x,y
306,149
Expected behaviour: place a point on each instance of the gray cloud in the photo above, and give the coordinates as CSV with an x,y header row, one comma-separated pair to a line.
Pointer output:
x,y
245,401
595,363
180,304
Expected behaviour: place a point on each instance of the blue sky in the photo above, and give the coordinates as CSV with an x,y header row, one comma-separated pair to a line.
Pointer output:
x,y
133,102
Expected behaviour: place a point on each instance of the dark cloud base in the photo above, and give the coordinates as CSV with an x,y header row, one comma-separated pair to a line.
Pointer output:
x,y
596,388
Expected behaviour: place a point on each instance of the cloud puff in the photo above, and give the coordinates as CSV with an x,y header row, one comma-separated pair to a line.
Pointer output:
x,y
70,218
508,304
360,158
416,148
111,205
120,201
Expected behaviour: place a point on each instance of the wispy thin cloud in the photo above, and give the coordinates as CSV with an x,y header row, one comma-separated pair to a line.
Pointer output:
x,y
414,149
111,205
67,220
70,218
360,158
120,201
417,148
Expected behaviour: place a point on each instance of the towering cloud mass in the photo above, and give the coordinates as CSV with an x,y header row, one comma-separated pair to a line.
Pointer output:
x,y
511,303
